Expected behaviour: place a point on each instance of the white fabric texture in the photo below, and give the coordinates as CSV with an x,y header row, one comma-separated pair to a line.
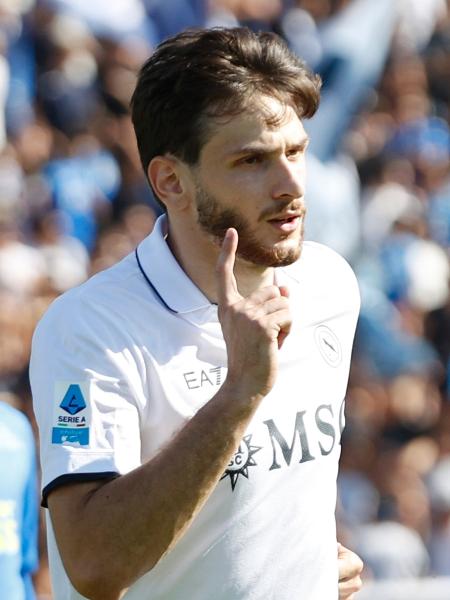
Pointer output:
x,y
268,529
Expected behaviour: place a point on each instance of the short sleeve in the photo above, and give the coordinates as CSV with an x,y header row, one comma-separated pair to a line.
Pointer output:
x,y
86,392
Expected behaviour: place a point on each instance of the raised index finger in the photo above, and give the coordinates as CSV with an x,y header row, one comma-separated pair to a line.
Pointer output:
x,y
226,281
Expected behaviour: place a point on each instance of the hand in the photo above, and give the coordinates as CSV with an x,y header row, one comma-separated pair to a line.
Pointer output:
x,y
350,569
254,328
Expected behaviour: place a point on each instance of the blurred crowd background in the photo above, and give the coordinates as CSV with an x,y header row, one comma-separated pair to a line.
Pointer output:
x,y
73,200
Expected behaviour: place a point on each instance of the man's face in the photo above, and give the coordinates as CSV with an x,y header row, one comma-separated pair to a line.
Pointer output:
x,y
251,176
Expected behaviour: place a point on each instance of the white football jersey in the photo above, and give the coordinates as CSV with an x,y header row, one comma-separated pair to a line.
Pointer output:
x,y
120,363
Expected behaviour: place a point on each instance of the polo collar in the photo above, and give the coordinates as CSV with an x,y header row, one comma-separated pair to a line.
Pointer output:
x,y
164,275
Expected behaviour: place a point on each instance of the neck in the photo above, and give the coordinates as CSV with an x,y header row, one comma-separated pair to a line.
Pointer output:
x,y
197,253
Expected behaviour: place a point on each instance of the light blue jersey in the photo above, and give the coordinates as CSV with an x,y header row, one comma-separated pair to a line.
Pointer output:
x,y
18,506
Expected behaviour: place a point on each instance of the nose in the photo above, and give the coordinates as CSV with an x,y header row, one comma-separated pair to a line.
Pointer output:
x,y
288,179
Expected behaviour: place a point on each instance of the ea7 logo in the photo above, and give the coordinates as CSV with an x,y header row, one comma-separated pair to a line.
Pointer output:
x,y
209,377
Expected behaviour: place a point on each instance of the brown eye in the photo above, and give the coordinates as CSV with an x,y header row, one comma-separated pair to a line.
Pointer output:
x,y
254,159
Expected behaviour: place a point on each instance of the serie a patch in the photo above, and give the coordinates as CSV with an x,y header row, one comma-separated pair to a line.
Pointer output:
x,y
71,414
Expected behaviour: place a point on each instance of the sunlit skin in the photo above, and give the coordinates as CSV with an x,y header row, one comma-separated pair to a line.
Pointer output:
x,y
250,176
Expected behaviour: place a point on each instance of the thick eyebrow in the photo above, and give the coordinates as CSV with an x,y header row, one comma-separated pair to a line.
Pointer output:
x,y
264,149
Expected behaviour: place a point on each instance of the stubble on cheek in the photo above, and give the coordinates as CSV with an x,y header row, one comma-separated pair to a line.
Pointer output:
x,y
215,220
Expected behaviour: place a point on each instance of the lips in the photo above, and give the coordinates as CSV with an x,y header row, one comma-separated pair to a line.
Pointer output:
x,y
286,223
285,217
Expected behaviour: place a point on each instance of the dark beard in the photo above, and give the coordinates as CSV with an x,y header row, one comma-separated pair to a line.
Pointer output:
x,y
215,221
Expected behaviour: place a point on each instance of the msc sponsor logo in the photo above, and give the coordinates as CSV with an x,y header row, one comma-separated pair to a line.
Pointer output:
x,y
325,429
241,461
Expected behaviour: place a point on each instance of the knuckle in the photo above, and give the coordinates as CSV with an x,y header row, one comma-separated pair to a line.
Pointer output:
x,y
242,312
245,311
274,291
260,322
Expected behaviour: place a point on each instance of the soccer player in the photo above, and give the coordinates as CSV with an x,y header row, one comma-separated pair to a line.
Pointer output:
x,y
191,398
19,514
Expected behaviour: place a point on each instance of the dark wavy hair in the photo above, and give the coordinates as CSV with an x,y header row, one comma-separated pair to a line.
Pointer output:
x,y
201,74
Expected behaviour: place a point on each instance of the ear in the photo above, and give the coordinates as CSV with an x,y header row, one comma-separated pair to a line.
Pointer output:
x,y
166,176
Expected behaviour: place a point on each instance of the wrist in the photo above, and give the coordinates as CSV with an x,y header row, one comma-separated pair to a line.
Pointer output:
x,y
241,392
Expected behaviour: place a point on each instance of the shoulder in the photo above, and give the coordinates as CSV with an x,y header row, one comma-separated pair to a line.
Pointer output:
x,y
98,305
